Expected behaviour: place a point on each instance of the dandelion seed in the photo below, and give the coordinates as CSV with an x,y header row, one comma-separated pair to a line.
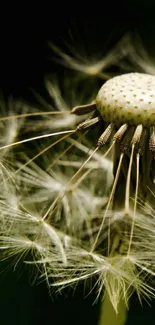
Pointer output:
x,y
139,57
94,68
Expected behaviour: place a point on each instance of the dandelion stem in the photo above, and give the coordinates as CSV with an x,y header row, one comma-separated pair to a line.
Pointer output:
x,y
108,315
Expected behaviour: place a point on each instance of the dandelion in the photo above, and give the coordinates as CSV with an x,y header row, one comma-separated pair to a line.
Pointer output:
x,y
82,205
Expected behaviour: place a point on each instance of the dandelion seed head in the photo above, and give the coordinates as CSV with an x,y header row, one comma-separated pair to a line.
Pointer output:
x,y
128,98
73,211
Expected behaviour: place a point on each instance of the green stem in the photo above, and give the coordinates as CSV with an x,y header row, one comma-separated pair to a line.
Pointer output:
x,y
108,315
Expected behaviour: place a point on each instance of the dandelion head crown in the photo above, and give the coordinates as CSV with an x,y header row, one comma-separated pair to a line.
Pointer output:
x,y
128,98
127,102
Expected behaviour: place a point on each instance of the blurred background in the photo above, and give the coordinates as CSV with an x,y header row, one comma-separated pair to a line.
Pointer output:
x,y
25,59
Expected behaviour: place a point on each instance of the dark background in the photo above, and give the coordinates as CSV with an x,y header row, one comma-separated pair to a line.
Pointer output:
x,y
24,60
24,34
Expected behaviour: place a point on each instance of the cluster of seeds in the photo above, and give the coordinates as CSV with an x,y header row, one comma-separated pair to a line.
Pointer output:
x,y
56,213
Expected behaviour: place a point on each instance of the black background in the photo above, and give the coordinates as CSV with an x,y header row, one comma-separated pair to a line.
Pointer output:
x,y
24,60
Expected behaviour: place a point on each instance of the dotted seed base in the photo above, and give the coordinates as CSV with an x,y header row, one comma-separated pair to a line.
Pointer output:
x,y
129,98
